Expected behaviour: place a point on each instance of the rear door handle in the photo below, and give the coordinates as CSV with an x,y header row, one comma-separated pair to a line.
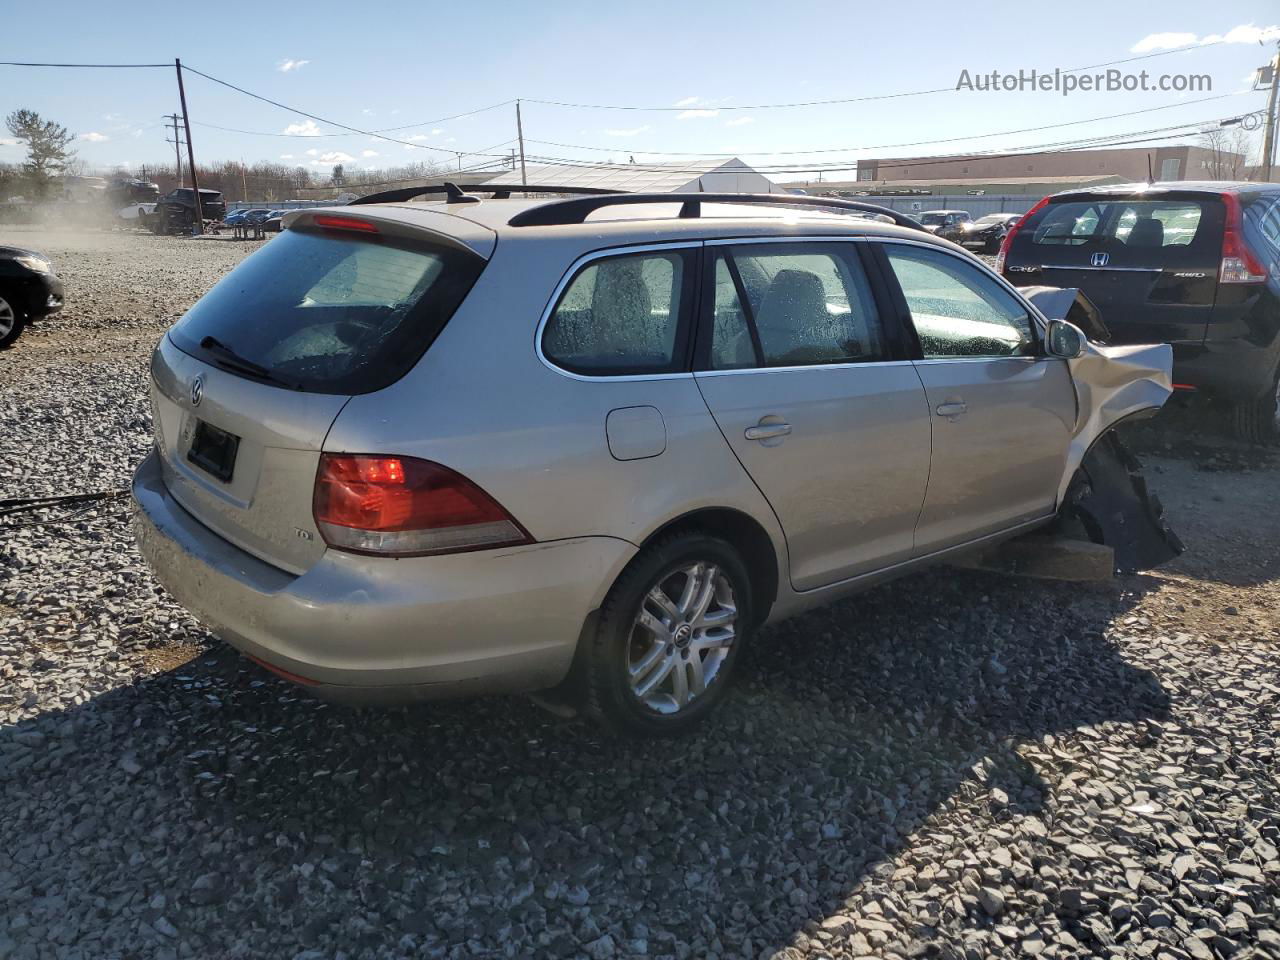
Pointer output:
x,y
953,409
767,431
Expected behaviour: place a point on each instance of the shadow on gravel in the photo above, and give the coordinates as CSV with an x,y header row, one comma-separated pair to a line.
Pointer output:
x,y
266,818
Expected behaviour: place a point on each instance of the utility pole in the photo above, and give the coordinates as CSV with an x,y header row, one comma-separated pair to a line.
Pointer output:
x,y
1269,140
524,179
244,187
177,145
191,153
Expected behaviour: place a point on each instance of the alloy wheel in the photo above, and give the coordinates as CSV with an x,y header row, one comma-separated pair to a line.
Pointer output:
x,y
681,637
8,317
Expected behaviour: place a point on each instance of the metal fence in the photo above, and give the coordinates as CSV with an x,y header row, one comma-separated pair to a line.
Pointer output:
x,y
976,206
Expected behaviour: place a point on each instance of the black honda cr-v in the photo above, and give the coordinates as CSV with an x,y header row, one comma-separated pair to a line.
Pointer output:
x,y
1195,265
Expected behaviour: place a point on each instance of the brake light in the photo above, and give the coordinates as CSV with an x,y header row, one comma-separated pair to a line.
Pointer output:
x,y
1239,265
1007,242
344,223
402,506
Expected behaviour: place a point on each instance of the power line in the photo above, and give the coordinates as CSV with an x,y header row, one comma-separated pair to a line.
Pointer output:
x,y
888,146
841,100
380,130
313,116
86,66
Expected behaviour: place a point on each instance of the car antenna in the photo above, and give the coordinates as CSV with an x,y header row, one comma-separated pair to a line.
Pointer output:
x,y
1150,177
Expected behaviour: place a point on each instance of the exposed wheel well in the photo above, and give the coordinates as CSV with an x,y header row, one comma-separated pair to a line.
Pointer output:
x,y
747,537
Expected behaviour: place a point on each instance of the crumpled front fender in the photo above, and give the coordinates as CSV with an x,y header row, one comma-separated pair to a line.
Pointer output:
x,y
1113,383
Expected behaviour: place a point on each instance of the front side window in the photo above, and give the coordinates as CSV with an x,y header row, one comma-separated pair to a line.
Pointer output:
x,y
784,305
956,310
620,315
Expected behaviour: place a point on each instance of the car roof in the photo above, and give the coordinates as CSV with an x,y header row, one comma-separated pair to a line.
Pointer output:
x,y
1214,187
478,224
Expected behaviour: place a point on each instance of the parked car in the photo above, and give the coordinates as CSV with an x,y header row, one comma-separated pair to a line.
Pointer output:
x,y
385,470
275,221
234,217
29,290
1190,264
948,224
987,233
257,215
175,212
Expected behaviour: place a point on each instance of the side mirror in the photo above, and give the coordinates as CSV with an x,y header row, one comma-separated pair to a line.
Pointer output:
x,y
1064,340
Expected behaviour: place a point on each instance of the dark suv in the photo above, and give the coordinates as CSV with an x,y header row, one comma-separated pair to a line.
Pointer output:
x,y
1196,265
175,212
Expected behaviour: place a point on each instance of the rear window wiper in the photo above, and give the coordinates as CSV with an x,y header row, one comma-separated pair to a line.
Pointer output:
x,y
227,358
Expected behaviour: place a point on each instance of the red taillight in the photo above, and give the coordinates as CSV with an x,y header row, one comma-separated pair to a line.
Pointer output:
x,y
403,506
1007,242
1239,265
344,223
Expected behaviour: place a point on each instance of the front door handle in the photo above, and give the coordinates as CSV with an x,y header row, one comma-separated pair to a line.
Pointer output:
x,y
767,431
952,409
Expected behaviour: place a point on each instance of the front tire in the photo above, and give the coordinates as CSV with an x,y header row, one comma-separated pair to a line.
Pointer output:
x,y
12,319
668,637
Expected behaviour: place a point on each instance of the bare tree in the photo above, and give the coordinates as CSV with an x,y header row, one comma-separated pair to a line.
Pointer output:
x,y
1229,149
48,146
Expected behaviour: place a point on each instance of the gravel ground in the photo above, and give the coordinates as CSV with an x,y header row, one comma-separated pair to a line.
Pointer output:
x,y
955,765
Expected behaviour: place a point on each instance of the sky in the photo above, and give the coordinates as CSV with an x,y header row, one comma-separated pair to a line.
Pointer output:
x,y
713,68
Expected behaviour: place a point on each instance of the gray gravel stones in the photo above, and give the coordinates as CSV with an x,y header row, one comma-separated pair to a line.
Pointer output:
x,y
955,765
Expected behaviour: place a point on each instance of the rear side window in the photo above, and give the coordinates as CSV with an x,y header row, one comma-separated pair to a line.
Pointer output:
x,y
787,305
328,313
621,315
957,310
1132,232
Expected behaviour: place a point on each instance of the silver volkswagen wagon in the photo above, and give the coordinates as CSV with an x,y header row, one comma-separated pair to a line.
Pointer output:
x,y
417,449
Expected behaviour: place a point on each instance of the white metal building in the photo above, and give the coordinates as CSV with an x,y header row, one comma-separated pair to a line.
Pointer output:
x,y
711,175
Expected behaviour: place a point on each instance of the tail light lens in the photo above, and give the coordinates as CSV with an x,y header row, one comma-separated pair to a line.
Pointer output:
x,y
1007,242
402,506
1239,265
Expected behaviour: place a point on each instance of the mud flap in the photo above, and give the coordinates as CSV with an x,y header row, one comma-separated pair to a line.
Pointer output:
x,y
1108,499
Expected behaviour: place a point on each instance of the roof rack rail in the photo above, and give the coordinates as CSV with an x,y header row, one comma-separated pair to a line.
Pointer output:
x,y
456,194
577,210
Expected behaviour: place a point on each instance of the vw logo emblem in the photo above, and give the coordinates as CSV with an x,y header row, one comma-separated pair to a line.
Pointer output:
x,y
1100,259
197,390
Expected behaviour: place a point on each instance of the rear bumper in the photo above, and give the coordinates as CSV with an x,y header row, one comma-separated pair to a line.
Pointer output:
x,y
1233,368
376,630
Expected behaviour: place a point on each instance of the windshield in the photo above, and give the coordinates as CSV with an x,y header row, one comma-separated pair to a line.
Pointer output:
x,y
932,219
991,218
327,313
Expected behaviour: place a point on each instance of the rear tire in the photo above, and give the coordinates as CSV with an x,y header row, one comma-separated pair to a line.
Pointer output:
x,y
1258,420
668,637
12,319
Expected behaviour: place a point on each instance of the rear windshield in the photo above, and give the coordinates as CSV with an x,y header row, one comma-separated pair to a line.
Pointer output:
x,y
1132,232
932,219
328,313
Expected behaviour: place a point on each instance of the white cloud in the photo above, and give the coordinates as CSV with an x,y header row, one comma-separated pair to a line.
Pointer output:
x,y
367,112
288,66
110,116
312,152
739,121
286,156
9,141
336,156
692,114
417,138
93,137
368,153
626,131
307,128
686,102
437,130
1245,33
